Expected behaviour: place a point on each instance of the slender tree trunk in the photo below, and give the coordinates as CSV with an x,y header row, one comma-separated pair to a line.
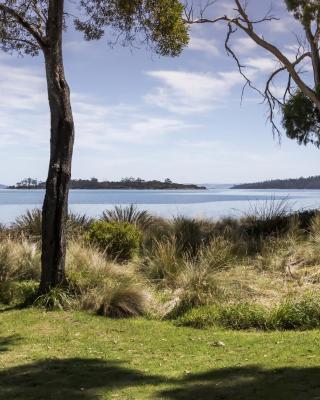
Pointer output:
x,y
55,207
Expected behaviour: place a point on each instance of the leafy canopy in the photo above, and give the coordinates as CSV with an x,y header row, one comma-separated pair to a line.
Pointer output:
x,y
156,23
301,119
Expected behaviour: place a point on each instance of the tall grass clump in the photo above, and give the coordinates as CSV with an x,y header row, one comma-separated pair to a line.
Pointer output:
x,y
164,265
103,287
29,224
189,235
20,261
129,214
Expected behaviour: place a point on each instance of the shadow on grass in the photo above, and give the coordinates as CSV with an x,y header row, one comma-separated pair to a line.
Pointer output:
x,y
68,379
88,379
7,342
248,383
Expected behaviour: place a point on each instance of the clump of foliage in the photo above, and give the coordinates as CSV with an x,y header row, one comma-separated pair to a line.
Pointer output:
x,y
118,240
301,119
297,313
130,214
58,298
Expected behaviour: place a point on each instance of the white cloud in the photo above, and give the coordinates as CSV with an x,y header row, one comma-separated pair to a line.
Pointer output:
x,y
243,45
261,64
24,116
189,92
204,45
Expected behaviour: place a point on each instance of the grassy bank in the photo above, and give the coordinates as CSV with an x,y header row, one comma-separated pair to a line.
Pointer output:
x,y
261,271
75,355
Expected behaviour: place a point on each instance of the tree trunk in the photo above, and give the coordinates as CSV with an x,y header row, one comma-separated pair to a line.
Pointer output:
x,y
55,207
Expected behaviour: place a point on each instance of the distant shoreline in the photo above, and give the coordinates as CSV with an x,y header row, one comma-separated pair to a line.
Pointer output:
x,y
310,183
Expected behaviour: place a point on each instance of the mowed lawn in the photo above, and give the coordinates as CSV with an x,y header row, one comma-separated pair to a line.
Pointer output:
x,y
62,355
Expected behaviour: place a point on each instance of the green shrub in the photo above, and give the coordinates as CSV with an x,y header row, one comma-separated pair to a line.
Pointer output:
x,y
302,313
217,255
18,292
201,317
244,316
118,240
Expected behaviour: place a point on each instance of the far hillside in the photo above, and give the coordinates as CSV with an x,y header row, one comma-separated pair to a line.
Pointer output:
x,y
313,182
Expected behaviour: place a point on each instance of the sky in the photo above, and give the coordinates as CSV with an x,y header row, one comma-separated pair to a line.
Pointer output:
x,y
138,114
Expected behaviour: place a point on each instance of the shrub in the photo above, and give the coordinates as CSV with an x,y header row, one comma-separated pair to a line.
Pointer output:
x,y
130,214
244,316
119,240
302,313
201,317
16,292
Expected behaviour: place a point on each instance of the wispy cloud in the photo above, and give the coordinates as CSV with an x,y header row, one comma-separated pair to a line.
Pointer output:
x,y
205,45
185,92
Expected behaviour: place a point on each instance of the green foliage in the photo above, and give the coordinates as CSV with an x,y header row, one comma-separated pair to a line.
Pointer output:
x,y
16,292
200,318
158,23
130,214
302,313
189,235
243,316
301,119
57,298
305,11
119,240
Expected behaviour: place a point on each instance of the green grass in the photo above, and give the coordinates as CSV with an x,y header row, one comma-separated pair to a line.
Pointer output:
x,y
74,355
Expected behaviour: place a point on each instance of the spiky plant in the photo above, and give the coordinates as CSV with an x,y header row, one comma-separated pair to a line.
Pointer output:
x,y
131,214
29,224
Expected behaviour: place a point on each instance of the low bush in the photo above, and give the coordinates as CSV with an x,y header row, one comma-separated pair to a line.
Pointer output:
x,y
244,316
301,313
201,317
189,235
118,240
15,292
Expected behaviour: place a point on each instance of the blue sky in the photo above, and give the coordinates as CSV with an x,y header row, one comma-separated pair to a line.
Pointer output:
x,y
140,115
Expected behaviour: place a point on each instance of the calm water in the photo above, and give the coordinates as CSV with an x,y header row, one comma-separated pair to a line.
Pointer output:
x,y
212,203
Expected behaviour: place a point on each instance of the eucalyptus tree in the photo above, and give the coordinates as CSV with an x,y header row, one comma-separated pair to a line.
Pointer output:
x,y
299,102
33,27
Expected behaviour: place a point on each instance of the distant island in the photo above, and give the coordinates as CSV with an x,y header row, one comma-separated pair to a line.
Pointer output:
x,y
3,186
125,183
313,182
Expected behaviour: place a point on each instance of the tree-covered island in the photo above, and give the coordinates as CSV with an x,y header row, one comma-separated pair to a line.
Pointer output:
x,y
124,183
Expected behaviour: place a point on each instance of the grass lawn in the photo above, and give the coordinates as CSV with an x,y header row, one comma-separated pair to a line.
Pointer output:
x,y
66,356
